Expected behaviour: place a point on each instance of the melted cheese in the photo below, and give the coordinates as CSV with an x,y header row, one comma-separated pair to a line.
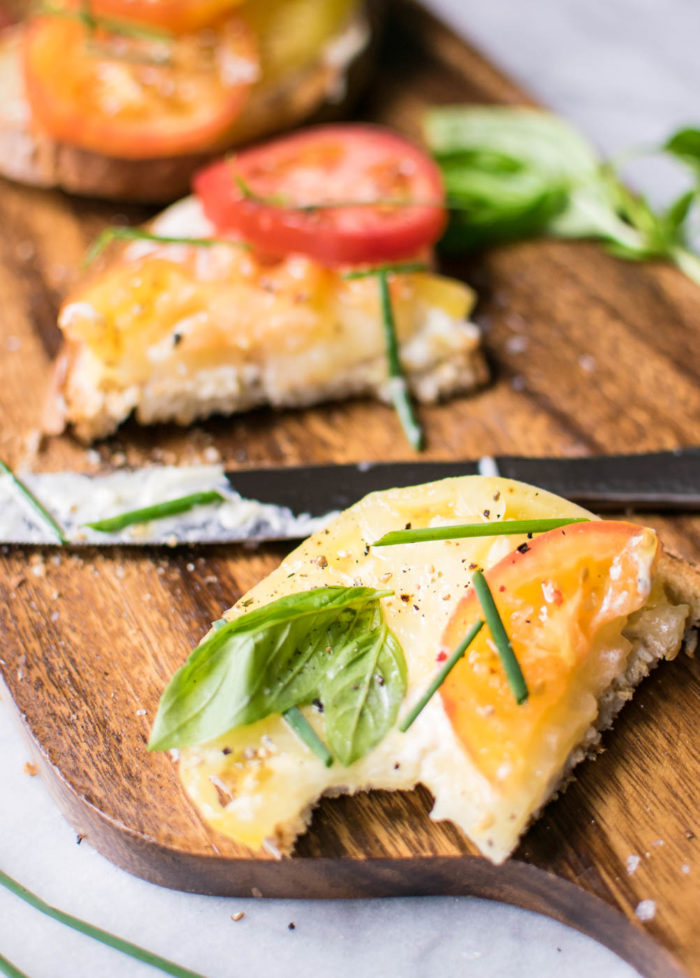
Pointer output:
x,y
256,784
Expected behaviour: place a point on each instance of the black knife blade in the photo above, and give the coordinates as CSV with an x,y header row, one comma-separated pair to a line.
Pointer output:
x,y
660,481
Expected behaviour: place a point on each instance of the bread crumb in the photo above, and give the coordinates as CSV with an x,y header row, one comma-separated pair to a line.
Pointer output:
x,y
239,915
31,769
645,910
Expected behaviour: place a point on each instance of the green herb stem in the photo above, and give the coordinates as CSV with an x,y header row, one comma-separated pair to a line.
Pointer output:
x,y
156,512
306,733
117,233
36,505
687,261
398,387
441,676
9,969
91,21
405,268
464,530
96,933
511,665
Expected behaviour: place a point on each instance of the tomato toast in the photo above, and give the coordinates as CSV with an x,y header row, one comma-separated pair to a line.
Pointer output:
x,y
128,99
267,306
588,608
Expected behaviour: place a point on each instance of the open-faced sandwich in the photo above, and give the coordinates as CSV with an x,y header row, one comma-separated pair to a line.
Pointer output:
x,y
271,286
479,650
124,99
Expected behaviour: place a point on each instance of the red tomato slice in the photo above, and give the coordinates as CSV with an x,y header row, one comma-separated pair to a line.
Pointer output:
x,y
178,16
327,165
137,98
563,603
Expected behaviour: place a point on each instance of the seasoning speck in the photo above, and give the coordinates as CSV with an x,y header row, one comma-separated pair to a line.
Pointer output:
x,y
291,925
632,863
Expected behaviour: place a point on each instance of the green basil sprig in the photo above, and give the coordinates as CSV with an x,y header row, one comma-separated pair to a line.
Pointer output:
x,y
330,644
514,172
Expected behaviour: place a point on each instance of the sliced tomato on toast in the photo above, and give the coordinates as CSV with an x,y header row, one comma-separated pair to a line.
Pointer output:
x,y
137,97
564,598
342,194
179,16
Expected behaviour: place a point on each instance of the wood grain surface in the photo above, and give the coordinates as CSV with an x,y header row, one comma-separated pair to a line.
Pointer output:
x,y
589,354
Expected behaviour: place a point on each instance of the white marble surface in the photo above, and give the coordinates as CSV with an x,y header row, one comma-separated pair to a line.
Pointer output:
x,y
627,72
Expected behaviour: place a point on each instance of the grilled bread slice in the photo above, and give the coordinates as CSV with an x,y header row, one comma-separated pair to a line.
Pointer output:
x,y
285,95
590,609
178,332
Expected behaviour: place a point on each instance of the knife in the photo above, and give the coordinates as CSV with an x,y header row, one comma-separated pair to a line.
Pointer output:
x,y
290,503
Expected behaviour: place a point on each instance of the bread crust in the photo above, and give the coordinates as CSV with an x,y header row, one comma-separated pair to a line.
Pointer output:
x,y
322,89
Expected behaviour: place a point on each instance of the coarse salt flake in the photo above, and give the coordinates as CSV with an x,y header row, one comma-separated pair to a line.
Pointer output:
x,y
645,910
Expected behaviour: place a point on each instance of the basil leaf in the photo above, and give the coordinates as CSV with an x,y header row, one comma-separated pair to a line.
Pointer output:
x,y
363,686
678,212
279,656
685,144
507,171
514,172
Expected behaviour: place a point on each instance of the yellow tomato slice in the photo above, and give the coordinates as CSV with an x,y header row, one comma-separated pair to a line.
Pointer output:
x,y
293,33
137,97
564,598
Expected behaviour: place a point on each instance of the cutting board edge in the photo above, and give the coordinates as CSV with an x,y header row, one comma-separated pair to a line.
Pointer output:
x,y
515,882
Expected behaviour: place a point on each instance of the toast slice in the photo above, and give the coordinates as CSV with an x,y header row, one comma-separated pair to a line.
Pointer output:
x,y
320,89
178,332
590,609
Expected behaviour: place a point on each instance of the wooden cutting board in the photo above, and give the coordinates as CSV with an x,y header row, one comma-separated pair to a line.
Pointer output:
x,y
589,354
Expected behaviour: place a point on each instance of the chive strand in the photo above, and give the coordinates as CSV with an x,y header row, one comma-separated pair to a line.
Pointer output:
x,y
306,733
156,512
110,234
398,387
514,673
465,530
96,933
441,676
91,21
401,268
36,505
9,969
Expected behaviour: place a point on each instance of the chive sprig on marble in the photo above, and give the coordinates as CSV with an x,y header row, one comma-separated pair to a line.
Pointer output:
x,y
96,933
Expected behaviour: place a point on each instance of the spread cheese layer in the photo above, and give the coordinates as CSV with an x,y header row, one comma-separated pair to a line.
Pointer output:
x,y
257,784
182,331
